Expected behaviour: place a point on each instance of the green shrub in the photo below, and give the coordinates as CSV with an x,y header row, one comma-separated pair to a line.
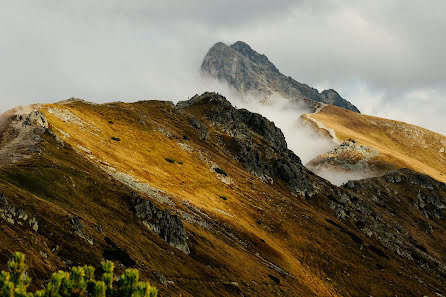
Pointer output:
x,y
79,282
180,162
116,138
224,197
220,171
170,160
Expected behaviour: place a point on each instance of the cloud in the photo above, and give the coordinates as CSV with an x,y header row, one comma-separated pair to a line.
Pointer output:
x,y
387,57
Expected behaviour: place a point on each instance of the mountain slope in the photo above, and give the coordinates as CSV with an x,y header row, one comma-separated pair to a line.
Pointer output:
x,y
209,197
395,145
252,73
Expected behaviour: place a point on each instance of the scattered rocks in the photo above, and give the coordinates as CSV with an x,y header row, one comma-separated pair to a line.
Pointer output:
x,y
67,116
33,223
98,228
350,146
78,227
138,186
14,215
185,147
164,131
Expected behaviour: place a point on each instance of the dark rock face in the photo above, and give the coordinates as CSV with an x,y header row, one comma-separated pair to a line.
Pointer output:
x,y
381,208
167,226
252,73
255,142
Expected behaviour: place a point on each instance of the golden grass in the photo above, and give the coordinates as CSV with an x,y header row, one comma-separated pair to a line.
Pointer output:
x,y
400,144
141,152
324,261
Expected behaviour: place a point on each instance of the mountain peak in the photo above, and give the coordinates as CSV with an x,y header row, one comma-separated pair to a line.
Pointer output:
x,y
246,50
250,72
218,45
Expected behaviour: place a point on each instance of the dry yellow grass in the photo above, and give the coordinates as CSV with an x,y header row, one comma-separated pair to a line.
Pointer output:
x,y
259,224
142,152
400,144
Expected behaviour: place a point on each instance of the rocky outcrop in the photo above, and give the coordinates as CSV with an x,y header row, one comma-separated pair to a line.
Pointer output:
x,y
371,205
36,118
78,228
22,132
377,206
252,73
255,142
14,215
349,161
167,226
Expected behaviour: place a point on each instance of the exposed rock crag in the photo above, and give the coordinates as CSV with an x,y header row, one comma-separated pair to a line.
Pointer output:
x,y
255,141
166,225
252,73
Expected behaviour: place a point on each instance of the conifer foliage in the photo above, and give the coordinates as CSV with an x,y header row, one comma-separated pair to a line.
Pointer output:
x,y
79,282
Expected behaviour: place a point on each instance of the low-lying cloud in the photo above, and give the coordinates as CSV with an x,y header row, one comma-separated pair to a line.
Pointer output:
x,y
339,177
386,57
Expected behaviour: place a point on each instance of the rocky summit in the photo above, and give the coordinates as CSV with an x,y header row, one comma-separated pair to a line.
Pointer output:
x,y
252,73
207,200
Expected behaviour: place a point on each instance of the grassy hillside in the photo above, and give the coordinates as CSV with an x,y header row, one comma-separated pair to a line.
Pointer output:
x,y
400,145
247,235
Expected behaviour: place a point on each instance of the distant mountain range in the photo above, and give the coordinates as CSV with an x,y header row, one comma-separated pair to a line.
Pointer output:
x,y
252,73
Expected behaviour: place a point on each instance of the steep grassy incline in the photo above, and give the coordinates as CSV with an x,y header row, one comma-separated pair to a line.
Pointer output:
x,y
205,200
400,145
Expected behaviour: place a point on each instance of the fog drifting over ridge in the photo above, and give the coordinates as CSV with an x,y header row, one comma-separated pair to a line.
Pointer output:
x,y
386,62
305,141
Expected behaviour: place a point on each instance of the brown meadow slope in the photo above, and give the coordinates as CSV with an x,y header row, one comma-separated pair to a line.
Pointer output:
x,y
248,234
400,145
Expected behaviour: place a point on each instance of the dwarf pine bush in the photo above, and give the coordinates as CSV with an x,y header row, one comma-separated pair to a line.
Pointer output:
x,y
79,282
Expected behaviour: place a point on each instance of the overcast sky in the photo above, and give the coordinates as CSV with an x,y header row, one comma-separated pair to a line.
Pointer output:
x,y
387,57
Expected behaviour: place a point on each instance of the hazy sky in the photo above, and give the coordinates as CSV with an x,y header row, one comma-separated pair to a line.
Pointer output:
x,y
387,57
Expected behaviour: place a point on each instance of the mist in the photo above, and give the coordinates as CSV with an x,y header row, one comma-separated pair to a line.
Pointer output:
x,y
339,176
386,63
53,50
304,140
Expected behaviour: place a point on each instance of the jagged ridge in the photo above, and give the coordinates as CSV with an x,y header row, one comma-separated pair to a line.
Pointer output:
x,y
252,73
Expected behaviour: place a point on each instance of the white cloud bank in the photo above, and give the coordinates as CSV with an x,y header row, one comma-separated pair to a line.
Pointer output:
x,y
386,57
